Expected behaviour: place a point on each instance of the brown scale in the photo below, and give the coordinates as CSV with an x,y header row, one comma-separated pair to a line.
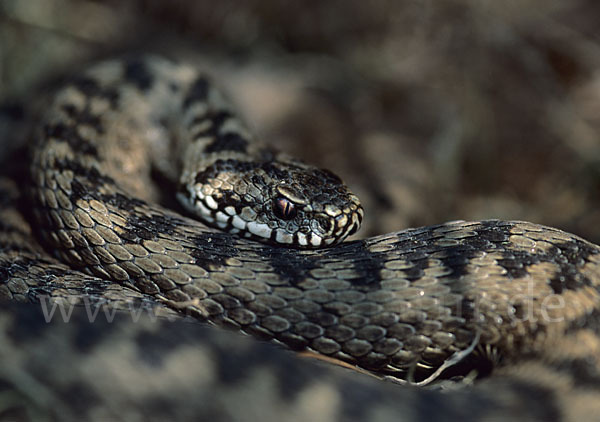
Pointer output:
x,y
408,304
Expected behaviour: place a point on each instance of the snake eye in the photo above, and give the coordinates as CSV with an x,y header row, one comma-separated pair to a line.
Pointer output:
x,y
284,209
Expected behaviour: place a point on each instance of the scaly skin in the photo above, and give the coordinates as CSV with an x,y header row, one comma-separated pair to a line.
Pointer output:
x,y
419,305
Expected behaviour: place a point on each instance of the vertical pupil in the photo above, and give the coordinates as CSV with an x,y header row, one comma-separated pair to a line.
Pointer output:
x,y
284,209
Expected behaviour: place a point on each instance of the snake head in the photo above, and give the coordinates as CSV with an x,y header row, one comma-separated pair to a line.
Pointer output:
x,y
314,209
280,201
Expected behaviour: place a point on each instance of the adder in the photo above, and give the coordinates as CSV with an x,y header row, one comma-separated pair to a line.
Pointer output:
x,y
453,301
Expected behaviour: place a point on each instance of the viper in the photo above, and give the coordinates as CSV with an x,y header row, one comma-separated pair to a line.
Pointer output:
x,y
267,257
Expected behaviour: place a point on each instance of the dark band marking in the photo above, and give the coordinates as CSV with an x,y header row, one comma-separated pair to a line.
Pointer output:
x,y
237,166
90,175
90,88
228,142
570,257
291,379
138,74
83,117
70,135
216,119
224,166
589,321
154,348
198,92
86,181
87,397
213,249
24,327
583,372
80,191
9,228
288,264
83,341
353,399
143,227
535,403
516,263
493,236
122,202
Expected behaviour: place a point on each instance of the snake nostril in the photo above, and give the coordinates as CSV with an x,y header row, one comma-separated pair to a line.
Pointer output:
x,y
325,223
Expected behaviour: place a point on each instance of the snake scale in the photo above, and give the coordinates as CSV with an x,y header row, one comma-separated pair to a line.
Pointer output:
x,y
415,306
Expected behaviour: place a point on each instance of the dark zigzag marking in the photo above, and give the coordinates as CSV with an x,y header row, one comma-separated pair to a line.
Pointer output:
x,y
228,142
87,397
154,352
198,92
90,88
240,167
213,249
216,118
145,227
85,116
9,228
138,74
581,371
69,134
587,322
573,255
494,236
531,402
291,379
295,267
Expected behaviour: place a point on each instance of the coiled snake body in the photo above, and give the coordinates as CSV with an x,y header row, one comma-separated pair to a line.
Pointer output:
x,y
411,304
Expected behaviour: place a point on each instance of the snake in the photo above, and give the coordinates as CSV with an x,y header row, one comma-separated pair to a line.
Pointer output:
x,y
257,244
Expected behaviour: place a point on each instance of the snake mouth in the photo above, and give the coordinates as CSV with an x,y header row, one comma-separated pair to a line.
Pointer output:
x,y
280,237
356,222
336,231
326,231
233,223
348,223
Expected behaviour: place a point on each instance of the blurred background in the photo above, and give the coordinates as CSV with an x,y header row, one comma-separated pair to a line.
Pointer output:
x,y
430,110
